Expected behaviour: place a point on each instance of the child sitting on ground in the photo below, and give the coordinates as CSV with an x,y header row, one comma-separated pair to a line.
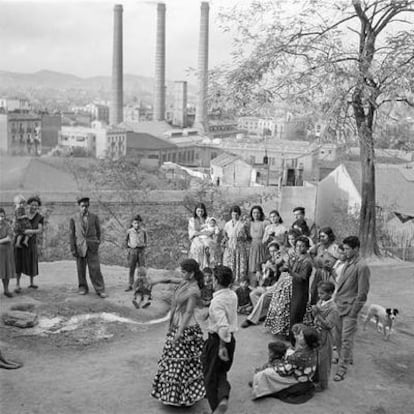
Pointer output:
x,y
207,290
21,222
277,351
244,303
326,318
142,288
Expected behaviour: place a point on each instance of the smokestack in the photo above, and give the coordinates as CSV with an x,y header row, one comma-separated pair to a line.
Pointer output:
x,y
180,104
159,86
117,103
201,118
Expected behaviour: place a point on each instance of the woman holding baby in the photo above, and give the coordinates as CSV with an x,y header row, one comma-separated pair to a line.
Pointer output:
x,y
202,231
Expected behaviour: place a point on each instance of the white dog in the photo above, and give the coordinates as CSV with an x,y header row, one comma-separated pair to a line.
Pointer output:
x,y
384,319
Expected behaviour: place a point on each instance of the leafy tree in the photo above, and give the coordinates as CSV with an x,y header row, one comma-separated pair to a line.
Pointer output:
x,y
346,58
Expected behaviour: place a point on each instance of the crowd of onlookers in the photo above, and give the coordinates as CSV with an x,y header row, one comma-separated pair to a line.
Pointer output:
x,y
306,288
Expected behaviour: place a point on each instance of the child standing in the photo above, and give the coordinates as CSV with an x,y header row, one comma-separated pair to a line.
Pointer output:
x,y
143,289
21,222
136,241
326,319
207,290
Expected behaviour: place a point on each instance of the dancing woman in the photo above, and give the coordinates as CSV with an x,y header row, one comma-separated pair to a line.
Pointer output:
x,y
179,380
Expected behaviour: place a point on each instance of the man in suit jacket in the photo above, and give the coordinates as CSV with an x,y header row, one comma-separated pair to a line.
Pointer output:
x,y
351,295
85,237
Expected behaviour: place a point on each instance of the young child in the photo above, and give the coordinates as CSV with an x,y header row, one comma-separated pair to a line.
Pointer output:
x,y
136,241
244,303
277,351
21,222
142,288
326,319
207,290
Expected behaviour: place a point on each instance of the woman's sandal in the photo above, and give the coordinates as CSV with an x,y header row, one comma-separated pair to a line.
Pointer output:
x,y
339,376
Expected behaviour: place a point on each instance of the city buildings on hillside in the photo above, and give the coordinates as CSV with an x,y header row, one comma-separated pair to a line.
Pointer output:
x,y
20,133
8,104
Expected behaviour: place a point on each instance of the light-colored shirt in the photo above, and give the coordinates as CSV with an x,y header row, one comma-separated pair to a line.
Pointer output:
x,y
222,314
136,238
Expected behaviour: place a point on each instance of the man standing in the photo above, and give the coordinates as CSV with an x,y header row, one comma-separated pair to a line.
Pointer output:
x,y
219,347
85,237
351,294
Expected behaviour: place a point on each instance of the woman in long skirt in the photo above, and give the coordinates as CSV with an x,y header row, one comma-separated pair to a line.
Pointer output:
x,y
179,380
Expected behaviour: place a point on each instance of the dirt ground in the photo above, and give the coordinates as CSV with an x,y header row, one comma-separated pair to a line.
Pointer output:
x,y
107,367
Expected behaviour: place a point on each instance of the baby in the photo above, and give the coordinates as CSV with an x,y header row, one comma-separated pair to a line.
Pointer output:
x,y
22,222
209,229
142,288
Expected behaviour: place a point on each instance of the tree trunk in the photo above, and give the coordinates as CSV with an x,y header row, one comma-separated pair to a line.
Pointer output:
x,y
367,215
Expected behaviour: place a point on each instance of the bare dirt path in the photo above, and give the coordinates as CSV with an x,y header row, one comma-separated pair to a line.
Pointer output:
x,y
82,372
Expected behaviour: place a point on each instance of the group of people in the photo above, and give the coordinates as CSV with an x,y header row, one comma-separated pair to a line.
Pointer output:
x,y
19,243
308,291
251,265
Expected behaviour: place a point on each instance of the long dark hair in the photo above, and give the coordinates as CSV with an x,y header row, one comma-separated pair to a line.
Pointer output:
x,y
190,265
203,207
262,216
329,232
277,213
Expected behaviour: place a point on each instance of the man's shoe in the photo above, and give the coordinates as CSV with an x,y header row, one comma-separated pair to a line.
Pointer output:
x,y
82,292
128,289
222,407
246,323
102,295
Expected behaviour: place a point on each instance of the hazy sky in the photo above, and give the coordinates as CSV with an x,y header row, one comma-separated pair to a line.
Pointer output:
x,y
75,36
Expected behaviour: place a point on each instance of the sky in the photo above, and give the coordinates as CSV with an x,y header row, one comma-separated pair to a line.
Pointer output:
x,y
75,36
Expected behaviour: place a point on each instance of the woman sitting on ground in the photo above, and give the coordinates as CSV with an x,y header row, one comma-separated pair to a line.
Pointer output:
x,y
298,367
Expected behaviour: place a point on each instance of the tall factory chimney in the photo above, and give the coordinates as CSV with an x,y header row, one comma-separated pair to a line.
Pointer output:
x,y
117,103
180,104
159,84
201,118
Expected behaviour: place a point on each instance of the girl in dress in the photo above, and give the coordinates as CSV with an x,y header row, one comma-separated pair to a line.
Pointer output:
x,y
179,380
7,268
235,238
275,231
257,248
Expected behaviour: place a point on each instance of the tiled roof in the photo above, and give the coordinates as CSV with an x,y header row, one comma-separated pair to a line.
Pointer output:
x,y
143,141
224,159
394,185
155,128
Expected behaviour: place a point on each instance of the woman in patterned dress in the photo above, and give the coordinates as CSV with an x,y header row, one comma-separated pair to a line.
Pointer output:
x,y
278,316
7,268
26,258
275,231
179,380
257,248
235,239
299,366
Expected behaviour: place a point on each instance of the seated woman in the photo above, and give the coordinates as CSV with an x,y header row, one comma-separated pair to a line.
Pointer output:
x,y
298,367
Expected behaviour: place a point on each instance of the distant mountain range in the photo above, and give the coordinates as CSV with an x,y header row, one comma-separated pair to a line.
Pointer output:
x,y
141,86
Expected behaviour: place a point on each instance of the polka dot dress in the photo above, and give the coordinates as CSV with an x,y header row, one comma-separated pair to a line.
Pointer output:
x,y
179,380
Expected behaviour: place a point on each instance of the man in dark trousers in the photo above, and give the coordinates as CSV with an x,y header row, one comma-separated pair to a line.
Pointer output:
x,y
85,237
351,294
219,347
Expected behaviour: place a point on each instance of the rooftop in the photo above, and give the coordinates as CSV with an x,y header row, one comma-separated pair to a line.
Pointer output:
x,y
143,141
